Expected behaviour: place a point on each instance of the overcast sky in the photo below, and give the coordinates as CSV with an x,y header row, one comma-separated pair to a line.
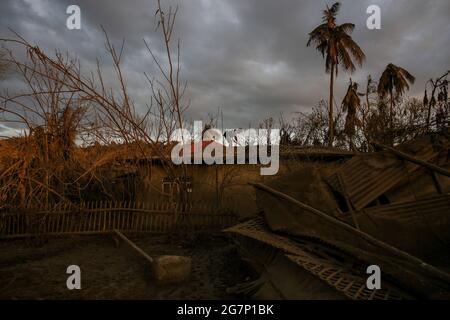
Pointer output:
x,y
248,57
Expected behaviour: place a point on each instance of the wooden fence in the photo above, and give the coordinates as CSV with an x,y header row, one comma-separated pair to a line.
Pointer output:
x,y
105,216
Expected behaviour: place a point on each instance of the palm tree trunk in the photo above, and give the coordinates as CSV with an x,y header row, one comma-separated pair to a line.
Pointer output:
x,y
330,111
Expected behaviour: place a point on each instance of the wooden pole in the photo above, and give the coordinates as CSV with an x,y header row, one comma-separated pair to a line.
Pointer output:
x,y
135,247
412,159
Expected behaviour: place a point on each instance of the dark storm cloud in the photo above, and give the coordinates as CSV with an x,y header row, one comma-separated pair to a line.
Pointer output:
x,y
247,56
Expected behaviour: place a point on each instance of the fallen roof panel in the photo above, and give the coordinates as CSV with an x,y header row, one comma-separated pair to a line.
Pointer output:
x,y
437,206
365,177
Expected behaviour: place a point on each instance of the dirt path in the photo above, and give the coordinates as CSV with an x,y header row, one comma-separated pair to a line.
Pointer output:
x,y
110,272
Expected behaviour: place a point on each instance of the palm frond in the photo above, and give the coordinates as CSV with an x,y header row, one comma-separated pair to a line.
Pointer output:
x,y
335,43
411,79
335,7
355,50
396,79
346,27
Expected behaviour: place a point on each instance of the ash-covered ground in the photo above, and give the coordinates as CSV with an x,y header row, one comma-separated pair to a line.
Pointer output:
x,y
30,269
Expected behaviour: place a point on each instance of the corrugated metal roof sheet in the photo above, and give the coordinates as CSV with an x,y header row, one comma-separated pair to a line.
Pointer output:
x,y
437,207
367,176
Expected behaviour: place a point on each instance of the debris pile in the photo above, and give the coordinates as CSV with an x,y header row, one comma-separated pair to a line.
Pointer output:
x,y
388,208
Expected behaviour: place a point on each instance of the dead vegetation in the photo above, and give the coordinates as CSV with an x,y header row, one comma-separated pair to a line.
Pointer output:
x,y
72,125
362,117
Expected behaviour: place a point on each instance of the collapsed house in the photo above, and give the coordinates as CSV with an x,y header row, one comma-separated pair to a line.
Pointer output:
x,y
318,231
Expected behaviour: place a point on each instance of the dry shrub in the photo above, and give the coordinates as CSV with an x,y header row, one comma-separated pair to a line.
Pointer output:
x,y
76,131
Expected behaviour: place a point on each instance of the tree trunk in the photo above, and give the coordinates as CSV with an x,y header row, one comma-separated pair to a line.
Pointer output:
x,y
391,120
429,107
330,111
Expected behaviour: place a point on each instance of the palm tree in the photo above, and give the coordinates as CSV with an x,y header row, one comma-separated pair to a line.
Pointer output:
x,y
337,47
350,104
393,79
